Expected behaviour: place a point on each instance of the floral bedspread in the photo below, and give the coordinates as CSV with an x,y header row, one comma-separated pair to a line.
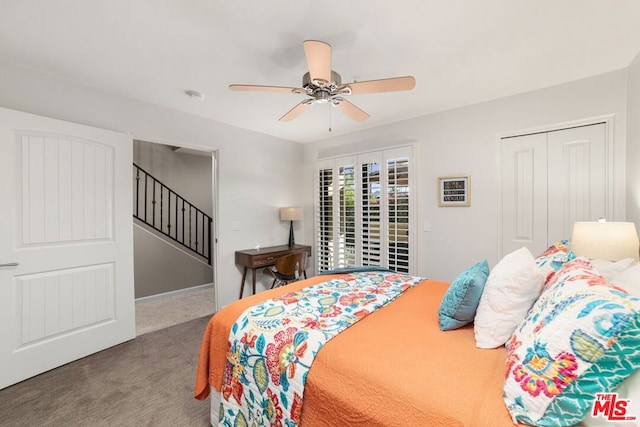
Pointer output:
x,y
273,344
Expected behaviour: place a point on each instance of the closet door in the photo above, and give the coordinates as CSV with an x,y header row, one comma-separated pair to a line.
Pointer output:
x,y
577,178
524,193
551,180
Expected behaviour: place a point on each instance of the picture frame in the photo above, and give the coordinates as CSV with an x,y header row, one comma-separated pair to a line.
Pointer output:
x,y
454,191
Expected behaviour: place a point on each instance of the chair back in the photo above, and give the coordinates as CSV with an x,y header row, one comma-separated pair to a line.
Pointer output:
x,y
292,265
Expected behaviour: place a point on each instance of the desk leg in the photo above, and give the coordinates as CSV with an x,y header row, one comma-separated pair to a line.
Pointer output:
x,y
253,270
244,276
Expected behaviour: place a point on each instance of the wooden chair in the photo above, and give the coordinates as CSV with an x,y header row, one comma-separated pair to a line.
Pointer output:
x,y
287,269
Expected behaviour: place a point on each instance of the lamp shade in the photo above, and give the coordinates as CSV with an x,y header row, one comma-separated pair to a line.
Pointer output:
x,y
611,241
290,214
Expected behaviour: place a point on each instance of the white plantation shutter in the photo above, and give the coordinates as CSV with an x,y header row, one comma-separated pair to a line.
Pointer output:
x,y
346,216
371,230
324,219
363,211
398,214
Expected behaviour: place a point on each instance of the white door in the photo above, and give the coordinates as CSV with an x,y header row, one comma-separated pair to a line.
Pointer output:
x,y
551,180
577,178
524,193
66,243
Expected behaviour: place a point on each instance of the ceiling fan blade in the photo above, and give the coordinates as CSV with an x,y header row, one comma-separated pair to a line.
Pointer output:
x,y
295,111
318,60
352,111
382,85
258,88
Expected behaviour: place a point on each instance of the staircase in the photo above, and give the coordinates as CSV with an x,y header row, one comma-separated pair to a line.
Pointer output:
x,y
168,213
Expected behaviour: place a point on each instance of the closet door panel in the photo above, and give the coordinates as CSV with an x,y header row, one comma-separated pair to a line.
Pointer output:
x,y
577,178
524,193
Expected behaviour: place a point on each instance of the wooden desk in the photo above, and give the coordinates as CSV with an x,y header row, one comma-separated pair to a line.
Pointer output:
x,y
264,257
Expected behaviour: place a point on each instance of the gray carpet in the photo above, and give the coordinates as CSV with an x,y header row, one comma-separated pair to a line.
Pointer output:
x,y
144,382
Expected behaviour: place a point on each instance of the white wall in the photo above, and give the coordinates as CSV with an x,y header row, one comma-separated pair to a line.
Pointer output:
x,y
161,266
465,141
257,173
633,142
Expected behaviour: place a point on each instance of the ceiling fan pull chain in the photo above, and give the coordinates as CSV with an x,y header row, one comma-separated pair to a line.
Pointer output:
x,y
329,104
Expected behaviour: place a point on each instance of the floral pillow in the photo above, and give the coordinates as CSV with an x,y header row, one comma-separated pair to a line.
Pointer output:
x,y
580,338
552,259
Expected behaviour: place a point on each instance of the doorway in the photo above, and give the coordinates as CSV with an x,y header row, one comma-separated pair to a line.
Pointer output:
x,y
174,234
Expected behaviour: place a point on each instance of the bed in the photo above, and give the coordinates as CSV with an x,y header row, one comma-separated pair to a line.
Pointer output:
x,y
394,367
411,378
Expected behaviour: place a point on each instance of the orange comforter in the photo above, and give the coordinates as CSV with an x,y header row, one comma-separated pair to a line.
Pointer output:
x,y
393,368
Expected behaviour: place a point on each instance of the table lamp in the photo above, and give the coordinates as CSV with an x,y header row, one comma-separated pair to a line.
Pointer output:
x,y
291,214
610,241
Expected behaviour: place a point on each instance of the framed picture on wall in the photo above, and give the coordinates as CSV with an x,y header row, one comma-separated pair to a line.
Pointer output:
x,y
454,191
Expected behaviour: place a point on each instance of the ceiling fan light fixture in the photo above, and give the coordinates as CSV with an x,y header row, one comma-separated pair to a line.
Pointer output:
x,y
322,96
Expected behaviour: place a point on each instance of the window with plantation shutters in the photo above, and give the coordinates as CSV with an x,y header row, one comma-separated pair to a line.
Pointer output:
x,y
363,211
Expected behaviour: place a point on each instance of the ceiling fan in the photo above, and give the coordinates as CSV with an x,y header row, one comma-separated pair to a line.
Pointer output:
x,y
324,85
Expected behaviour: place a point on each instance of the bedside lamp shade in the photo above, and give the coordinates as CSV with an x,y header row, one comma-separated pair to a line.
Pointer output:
x,y
610,241
291,214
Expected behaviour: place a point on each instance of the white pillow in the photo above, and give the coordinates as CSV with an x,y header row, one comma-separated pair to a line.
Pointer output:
x,y
609,269
629,280
511,289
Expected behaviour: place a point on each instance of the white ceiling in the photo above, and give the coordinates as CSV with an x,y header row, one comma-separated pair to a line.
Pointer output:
x,y
460,51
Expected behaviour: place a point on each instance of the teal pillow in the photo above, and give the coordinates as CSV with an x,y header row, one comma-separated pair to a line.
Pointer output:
x,y
458,307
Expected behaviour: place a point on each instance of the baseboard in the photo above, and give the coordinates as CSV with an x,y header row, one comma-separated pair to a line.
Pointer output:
x,y
174,293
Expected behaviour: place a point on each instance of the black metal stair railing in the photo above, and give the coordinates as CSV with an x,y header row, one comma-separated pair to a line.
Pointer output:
x,y
169,213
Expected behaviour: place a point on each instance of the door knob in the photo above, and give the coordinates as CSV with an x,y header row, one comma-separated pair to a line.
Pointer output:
x,y
10,264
